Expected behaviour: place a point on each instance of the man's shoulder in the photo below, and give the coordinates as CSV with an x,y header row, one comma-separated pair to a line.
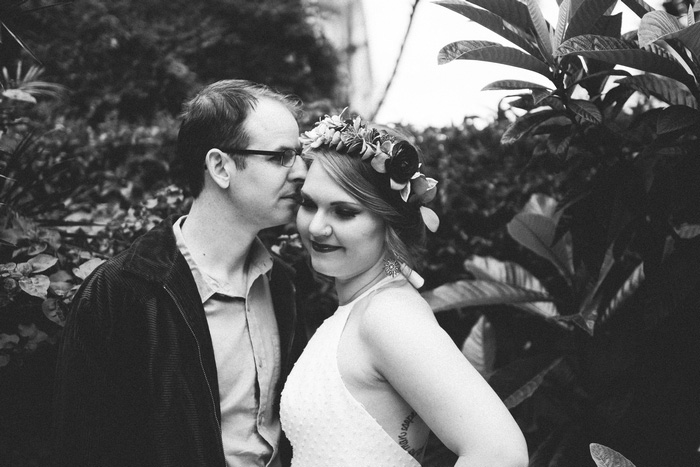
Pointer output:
x,y
140,254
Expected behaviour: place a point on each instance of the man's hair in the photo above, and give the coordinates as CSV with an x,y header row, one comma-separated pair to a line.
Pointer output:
x,y
215,118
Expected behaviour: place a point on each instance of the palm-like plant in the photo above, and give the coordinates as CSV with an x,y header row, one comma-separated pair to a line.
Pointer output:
x,y
623,245
581,53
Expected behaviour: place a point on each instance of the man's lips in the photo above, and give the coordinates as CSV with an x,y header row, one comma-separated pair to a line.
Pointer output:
x,y
323,248
296,197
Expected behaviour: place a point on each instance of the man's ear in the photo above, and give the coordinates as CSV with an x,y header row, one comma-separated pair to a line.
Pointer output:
x,y
215,162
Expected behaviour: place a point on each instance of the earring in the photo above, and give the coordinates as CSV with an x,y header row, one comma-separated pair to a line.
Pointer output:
x,y
392,267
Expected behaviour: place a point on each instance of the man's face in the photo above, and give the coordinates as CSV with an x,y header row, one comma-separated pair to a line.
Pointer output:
x,y
265,191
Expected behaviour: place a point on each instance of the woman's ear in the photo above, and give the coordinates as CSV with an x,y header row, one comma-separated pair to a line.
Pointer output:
x,y
215,162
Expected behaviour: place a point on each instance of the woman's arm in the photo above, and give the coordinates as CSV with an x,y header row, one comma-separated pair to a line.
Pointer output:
x,y
426,368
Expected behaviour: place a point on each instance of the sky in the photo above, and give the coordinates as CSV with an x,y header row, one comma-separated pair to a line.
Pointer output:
x,y
425,93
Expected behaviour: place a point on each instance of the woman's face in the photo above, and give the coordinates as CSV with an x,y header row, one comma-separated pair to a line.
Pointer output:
x,y
345,240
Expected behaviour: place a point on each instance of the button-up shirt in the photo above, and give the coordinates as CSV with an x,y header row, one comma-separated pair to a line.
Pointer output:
x,y
246,345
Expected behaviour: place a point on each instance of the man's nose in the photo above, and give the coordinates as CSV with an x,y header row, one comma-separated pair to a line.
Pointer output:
x,y
297,173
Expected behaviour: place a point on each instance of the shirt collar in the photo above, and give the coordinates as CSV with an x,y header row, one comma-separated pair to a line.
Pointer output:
x,y
258,262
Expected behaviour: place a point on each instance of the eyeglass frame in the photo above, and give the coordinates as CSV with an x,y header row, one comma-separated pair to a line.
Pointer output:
x,y
281,154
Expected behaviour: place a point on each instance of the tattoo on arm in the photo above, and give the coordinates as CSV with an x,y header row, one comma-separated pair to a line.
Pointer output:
x,y
403,436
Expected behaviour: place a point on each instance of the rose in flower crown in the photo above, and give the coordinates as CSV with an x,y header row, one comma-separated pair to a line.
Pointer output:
x,y
397,159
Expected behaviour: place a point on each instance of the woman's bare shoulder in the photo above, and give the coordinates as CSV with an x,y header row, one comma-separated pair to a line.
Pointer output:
x,y
396,313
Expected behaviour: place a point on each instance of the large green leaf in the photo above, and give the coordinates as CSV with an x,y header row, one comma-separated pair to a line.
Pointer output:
x,y
537,233
585,111
659,25
528,388
606,457
562,22
465,293
620,52
512,274
676,117
541,29
491,269
628,288
491,52
639,7
544,205
523,125
514,84
513,12
586,16
496,24
662,88
480,347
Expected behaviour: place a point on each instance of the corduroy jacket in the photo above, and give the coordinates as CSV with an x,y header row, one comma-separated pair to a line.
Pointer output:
x,y
136,381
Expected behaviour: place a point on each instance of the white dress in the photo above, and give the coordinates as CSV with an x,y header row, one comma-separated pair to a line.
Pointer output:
x,y
326,425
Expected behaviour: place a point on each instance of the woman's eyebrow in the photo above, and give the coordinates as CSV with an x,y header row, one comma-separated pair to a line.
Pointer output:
x,y
333,203
345,203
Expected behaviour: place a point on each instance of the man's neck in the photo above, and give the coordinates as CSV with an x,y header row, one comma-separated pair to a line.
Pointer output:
x,y
217,241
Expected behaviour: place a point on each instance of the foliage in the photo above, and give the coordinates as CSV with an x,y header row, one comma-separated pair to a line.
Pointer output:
x,y
137,59
606,457
620,250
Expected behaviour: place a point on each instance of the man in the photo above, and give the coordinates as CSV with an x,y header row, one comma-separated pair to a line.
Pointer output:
x,y
175,350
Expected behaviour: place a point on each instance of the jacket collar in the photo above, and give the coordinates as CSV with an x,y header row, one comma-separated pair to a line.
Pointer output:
x,y
154,254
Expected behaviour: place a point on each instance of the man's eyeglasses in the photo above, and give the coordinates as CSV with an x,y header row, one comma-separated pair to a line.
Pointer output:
x,y
285,157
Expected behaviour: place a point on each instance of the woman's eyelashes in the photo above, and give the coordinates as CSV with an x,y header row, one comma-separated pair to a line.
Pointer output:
x,y
345,213
339,210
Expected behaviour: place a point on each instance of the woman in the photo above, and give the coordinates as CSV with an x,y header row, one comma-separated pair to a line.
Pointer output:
x,y
380,373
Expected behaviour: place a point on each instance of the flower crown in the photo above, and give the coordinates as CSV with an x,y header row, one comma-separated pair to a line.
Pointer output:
x,y
398,159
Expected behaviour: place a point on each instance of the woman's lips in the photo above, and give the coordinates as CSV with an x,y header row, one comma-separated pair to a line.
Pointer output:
x,y
323,248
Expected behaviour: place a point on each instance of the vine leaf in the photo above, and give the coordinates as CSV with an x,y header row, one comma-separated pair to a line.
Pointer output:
x,y
87,267
36,286
42,262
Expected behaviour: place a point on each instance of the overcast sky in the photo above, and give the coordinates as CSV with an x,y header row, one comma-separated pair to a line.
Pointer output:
x,y
425,94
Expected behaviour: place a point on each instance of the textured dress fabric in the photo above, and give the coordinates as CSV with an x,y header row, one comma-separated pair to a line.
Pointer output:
x,y
326,425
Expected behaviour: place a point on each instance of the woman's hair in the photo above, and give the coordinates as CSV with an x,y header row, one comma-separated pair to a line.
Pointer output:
x,y
404,227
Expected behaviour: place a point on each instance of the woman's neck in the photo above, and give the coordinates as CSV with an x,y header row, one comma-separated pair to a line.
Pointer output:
x,y
350,289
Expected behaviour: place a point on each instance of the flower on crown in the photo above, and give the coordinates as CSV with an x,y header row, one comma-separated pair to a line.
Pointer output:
x,y
398,159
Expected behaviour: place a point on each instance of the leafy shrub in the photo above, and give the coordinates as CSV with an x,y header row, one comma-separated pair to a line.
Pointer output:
x,y
619,281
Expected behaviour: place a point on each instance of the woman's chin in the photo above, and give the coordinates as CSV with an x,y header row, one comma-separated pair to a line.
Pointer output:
x,y
323,267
